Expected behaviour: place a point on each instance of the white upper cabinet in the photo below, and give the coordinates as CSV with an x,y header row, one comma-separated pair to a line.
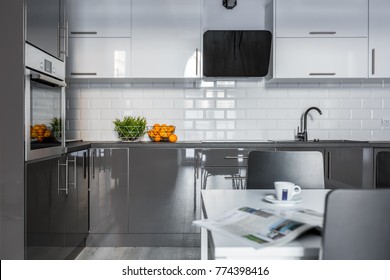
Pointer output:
x,y
166,38
321,58
321,18
379,39
99,58
99,18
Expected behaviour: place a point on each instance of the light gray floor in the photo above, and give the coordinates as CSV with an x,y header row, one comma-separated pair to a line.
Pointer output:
x,y
139,253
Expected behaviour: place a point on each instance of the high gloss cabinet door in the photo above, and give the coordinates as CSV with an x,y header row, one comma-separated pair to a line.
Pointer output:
x,y
109,191
99,58
162,192
99,18
379,40
321,18
166,38
321,58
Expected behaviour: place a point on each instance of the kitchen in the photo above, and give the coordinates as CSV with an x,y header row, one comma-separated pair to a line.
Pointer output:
x,y
354,105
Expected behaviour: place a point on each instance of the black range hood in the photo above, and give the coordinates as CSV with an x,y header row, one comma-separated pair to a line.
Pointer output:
x,y
236,53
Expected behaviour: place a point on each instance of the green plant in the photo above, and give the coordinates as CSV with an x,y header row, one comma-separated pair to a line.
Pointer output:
x,y
56,127
130,128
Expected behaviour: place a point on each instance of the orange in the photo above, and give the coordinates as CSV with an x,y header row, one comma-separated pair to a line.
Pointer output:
x,y
172,138
171,128
157,138
156,127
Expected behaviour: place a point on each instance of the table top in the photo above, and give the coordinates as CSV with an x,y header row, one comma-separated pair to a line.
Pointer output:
x,y
216,202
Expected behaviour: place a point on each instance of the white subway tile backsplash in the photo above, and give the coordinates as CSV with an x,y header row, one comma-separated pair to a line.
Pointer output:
x,y
101,125
248,110
330,103
360,114
111,93
372,103
236,114
204,104
100,104
173,114
143,103
132,93
351,103
226,104
192,114
213,114
90,114
256,114
203,125
225,125
351,124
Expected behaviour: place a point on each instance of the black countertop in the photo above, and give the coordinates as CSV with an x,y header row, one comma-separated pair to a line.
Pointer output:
x,y
237,144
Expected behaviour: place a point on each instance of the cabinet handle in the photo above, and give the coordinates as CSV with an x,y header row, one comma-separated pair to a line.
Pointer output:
x,y
232,177
322,32
83,74
196,64
65,32
74,172
85,165
236,157
322,74
66,177
329,165
93,164
83,32
373,61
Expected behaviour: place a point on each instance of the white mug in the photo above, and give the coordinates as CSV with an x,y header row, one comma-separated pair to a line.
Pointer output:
x,y
286,190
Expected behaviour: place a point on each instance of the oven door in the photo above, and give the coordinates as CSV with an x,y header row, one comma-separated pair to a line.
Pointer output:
x,y
44,115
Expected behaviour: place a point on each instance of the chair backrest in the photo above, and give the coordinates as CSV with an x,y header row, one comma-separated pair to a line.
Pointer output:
x,y
357,225
304,168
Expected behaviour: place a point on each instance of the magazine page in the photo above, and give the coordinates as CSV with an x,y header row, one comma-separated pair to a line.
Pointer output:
x,y
256,227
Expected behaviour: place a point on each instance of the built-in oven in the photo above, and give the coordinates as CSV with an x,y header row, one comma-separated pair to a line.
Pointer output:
x,y
44,104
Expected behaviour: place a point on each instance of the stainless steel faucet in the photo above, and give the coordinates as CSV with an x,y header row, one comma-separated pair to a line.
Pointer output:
x,y
302,135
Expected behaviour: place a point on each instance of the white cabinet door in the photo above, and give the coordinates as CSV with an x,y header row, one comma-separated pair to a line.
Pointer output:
x,y
99,58
321,58
166,39
99,18
379,39
321,18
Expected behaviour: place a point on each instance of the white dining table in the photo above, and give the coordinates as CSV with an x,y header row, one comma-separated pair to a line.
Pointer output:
x,y
218,246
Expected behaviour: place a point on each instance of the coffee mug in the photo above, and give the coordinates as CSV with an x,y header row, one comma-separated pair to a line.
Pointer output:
x,y
286,190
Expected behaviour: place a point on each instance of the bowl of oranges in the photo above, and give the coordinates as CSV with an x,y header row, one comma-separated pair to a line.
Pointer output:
x,y
40,133
162,133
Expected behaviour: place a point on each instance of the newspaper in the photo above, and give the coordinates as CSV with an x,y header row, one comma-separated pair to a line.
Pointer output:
x,y
263,227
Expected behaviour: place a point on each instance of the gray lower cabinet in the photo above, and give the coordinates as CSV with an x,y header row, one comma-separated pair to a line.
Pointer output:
x,y
162,197
109,191
57,206
349,167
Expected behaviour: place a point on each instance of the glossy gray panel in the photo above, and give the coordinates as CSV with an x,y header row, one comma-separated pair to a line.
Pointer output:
x,y
11,120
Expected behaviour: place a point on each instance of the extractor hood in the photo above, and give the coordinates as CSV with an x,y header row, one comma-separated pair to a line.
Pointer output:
x,y
236,53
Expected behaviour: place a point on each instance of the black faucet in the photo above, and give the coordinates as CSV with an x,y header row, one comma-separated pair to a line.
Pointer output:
x,y
302,135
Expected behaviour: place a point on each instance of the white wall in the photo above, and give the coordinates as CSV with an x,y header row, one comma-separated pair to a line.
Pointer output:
x,y
247,110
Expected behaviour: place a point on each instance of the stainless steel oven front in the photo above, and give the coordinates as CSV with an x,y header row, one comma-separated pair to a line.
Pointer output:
x,y
44,105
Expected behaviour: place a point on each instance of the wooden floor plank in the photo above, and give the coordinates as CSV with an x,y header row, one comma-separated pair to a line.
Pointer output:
x,y
140,253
